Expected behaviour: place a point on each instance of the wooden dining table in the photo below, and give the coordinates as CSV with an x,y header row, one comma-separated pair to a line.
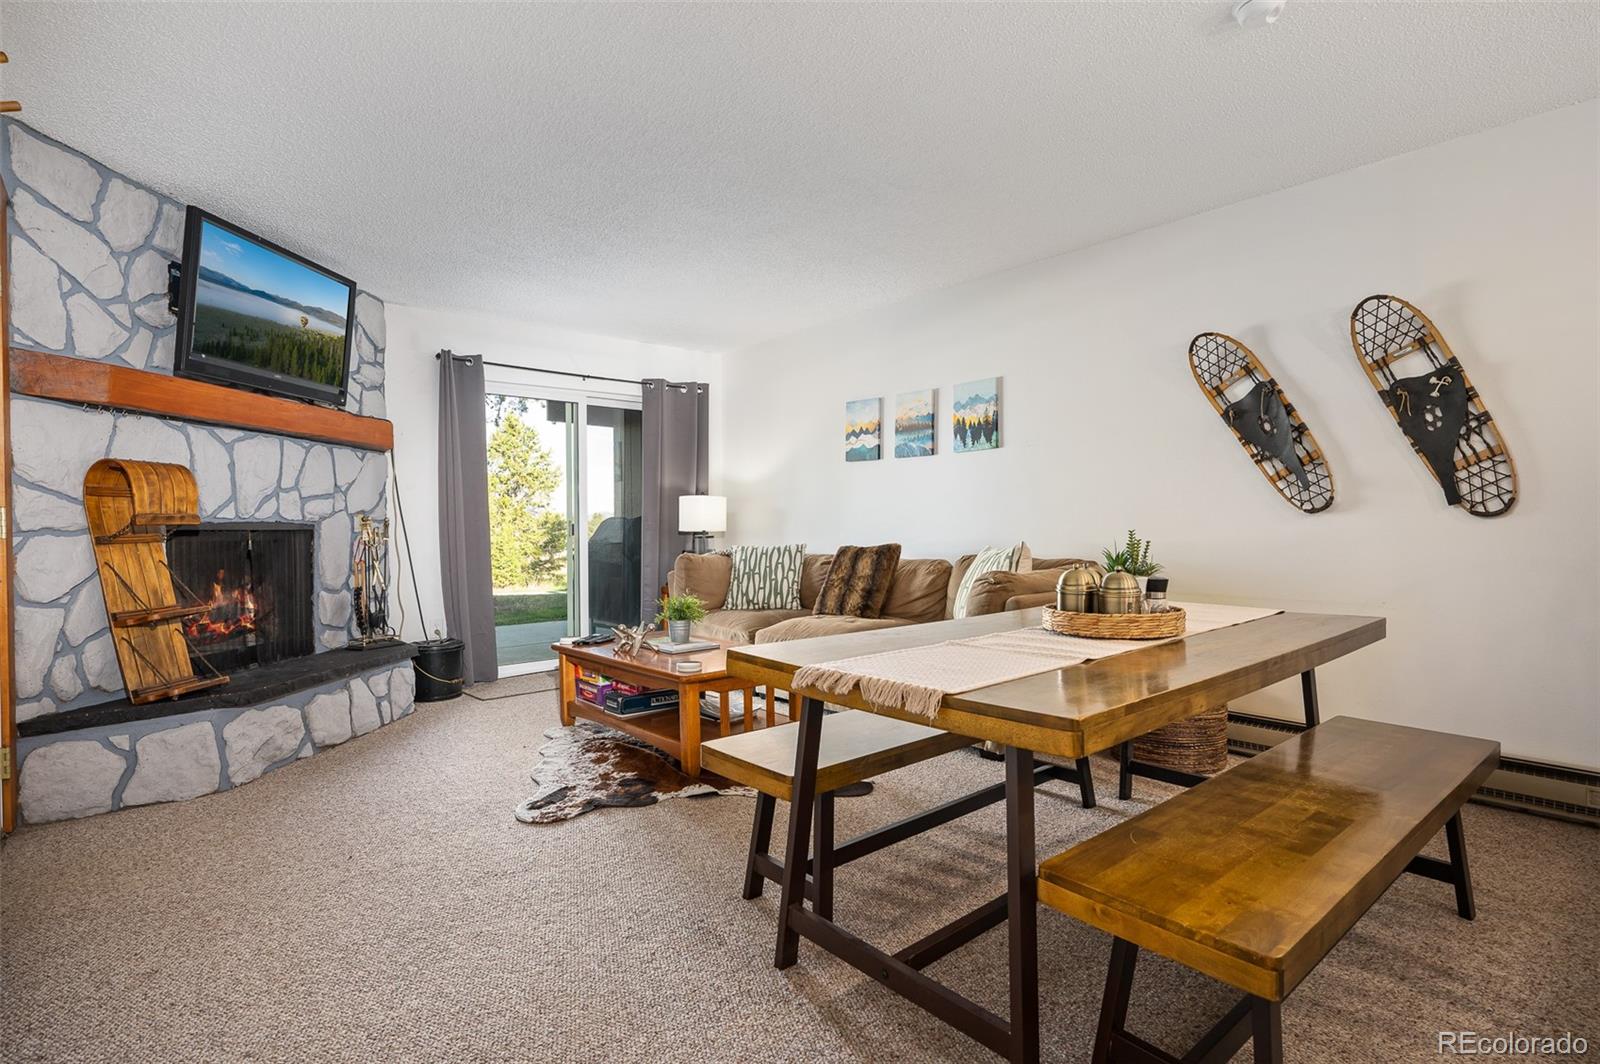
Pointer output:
x,y
1068,712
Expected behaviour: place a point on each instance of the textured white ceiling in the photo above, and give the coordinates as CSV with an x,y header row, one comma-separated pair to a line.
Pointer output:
x,y
713,175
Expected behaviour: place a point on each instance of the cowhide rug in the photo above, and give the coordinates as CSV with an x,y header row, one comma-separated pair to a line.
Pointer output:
x,y
588,767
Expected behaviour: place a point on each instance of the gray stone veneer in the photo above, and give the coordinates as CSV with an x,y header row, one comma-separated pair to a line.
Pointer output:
x,y
89,253
64,654
97,770
89,250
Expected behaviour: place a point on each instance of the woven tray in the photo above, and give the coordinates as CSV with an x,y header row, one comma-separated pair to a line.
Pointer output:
x,y
1195,744
1163,625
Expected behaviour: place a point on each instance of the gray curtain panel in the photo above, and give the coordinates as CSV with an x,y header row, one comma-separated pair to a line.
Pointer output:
x,y
675,462
464,514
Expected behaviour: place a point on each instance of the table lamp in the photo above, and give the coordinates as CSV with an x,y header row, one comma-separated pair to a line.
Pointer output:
x,y
702,516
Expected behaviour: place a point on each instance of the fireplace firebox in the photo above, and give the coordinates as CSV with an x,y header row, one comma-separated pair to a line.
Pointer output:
x,y
259,583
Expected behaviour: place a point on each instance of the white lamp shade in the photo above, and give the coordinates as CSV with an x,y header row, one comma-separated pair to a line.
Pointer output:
x,y
702,513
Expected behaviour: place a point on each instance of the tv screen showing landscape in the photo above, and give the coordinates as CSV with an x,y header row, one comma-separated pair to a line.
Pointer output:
x,y
260,308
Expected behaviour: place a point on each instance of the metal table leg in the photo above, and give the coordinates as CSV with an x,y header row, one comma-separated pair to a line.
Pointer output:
x,y
1308,697
1017,1038
797,853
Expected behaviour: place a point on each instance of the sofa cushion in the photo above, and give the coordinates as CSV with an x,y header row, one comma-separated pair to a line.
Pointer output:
x,y
858,581
741,626
705,576
1012,559
766,578
813,571
1028,602
990,591
958,573
919,589
825,624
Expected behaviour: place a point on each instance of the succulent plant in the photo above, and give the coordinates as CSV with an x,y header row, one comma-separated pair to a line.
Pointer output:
x,y
1132,556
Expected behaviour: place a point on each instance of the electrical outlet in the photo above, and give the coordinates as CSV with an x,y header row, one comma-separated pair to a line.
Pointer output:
x,y
1594,797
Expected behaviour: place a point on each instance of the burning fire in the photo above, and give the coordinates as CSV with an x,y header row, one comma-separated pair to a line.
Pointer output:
x,y
232,612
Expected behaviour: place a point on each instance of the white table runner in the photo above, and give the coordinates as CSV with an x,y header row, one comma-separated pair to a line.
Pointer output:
x,y
916,679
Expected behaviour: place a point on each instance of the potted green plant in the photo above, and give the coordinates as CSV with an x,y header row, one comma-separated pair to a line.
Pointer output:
x,y
1128,566
1141,563
679,612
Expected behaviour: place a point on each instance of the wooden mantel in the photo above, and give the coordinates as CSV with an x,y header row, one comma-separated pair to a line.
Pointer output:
x,y
78,380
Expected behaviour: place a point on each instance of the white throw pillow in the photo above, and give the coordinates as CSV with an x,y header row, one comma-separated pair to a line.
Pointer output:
x,y
765,578
990,560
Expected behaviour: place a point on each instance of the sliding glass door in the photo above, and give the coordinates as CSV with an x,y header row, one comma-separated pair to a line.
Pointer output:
x,y
564,506
532,456
611,452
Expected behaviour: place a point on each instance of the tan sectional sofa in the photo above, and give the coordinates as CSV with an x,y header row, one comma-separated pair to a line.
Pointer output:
x,y
924,589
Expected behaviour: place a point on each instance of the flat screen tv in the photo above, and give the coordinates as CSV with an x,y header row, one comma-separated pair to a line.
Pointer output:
x,y
254,315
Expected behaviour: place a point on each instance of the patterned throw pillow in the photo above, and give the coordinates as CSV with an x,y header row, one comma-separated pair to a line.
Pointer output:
x,y
989,560
858,581
765,578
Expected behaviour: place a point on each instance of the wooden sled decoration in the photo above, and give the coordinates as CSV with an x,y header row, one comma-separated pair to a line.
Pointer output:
x,y
1263,420
130,506
1437,408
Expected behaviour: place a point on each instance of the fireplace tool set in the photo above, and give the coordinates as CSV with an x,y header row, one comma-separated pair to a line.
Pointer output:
x,y
369,575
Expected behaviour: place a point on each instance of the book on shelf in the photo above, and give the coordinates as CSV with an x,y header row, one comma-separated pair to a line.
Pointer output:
x,y
710,708
624,705
594,688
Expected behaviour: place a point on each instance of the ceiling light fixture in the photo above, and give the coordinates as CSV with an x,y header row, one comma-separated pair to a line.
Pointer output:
x,y
1253,13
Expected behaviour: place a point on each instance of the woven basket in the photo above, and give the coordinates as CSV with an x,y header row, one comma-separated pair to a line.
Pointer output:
x,y
1163,625
1196,744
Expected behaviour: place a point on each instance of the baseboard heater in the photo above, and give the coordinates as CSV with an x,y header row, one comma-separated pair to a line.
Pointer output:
x,y
1526,786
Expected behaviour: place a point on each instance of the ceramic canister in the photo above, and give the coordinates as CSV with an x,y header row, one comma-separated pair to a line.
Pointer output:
x,y
1119,593
1075,590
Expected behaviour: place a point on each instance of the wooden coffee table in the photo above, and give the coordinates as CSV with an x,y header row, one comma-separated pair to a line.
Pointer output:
x,y
677,733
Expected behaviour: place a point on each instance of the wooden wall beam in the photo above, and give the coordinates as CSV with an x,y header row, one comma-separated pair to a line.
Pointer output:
x,y
78,380
8,679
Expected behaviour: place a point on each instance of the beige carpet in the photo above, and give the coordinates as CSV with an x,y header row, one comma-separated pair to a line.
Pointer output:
x,y
513,686
378,902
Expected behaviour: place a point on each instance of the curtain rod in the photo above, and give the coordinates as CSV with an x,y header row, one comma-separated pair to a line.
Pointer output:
x,y
535,369
556,372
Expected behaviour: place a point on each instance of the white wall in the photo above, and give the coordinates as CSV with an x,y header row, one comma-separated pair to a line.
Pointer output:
x,y
415,335
1492,623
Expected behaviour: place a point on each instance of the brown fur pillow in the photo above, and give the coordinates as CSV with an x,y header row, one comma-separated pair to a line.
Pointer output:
x,y
858,581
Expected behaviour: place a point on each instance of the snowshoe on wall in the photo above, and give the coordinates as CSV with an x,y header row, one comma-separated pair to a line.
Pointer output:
x,y
1263,420
1434,404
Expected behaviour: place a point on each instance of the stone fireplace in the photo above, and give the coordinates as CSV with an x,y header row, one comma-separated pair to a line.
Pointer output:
x,y
88,253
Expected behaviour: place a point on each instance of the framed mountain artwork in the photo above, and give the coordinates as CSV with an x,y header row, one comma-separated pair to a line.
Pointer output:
x,y
975,415
863,430
913,424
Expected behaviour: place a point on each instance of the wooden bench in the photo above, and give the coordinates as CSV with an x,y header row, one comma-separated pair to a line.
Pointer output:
x,y
855,746
1254,875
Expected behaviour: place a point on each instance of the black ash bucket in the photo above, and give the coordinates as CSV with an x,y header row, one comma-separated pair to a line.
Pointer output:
x,y
438,669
